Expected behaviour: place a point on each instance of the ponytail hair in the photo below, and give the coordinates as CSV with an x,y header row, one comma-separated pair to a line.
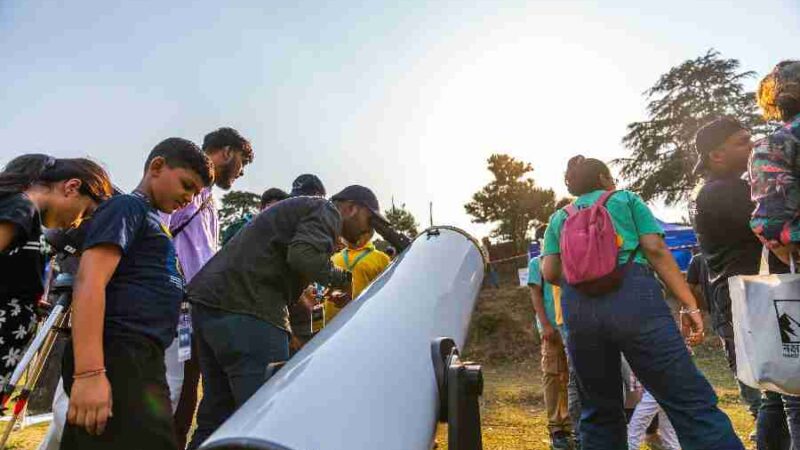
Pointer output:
x,y
32,169
584,175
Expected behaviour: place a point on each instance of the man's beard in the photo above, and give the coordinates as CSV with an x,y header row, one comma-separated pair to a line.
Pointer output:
x,y
350,232
227,176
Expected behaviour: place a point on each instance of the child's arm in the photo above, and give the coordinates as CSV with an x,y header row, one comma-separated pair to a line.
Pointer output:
x,y
7,232
90,398
537,298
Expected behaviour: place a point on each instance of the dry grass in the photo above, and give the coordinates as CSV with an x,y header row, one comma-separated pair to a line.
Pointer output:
x,y
502,339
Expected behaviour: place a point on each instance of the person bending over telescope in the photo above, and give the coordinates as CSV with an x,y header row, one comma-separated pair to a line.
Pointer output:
x,y
240,298
36,191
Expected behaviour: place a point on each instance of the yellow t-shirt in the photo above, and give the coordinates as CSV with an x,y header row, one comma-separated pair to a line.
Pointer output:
x,y
365,263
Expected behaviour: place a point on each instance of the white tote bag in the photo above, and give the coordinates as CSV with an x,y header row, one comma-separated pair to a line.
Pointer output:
x,y
766,323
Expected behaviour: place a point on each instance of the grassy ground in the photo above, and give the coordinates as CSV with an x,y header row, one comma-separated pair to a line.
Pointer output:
x,y
504,342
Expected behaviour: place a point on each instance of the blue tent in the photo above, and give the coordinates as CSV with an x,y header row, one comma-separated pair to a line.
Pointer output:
x,y
679,238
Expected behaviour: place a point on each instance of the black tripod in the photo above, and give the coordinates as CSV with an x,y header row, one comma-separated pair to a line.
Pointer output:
x,y
37,353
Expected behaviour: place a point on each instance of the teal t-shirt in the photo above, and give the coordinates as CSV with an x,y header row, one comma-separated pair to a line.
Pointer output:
x,y
631,216
535,278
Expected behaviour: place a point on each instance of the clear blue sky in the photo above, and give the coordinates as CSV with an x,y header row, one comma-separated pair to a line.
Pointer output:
x,y
408,98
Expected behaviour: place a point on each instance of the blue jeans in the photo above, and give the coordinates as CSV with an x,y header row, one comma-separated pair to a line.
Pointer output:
x,y
778,426
636,322
234,351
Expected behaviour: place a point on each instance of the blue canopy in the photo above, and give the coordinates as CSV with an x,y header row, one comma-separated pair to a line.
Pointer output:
x,y
681,240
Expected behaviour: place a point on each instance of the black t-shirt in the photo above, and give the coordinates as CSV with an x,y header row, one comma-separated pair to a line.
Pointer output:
x,y
22,263
721,213
251,274
697,274
145,292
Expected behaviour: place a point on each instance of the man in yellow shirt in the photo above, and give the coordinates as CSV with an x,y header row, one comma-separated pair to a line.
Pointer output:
x,y
365,262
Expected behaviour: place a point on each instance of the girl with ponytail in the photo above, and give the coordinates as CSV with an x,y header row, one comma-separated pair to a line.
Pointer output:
x,y
629,318
36,191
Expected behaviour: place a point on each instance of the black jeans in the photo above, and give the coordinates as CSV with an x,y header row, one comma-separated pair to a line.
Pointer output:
x,y
142,413
234,353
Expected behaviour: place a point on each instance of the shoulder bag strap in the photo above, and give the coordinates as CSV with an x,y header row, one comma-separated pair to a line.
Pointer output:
x,y
177,230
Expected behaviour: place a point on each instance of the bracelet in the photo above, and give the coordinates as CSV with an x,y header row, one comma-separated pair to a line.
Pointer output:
x,y
88,374
690,311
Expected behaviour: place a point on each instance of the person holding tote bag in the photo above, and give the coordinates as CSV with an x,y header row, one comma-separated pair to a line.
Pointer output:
x,y
775,187
624,312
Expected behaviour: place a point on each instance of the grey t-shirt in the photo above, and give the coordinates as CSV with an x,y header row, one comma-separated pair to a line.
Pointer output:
x,y
265,267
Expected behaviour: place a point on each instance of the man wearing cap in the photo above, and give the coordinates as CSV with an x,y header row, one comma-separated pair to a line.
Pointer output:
x,y
721,217
359,257
240,298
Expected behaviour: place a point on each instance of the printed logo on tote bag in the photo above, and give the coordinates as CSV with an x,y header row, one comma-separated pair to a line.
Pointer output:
x,y
788,313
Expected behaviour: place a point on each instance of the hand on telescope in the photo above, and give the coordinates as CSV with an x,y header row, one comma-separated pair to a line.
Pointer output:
x,y
340,298
308,298
90,403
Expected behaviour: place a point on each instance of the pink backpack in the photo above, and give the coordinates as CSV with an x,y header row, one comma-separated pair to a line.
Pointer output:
x,y
589,249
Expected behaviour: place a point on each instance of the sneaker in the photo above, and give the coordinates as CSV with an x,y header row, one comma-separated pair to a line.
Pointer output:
x,y
561,440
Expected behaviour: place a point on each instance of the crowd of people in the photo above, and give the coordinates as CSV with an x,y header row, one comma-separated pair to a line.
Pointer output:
x,y
749,199
158,306
162,300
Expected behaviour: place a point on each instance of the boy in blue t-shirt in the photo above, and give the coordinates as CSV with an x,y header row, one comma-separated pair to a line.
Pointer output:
x,y
555,370
125,309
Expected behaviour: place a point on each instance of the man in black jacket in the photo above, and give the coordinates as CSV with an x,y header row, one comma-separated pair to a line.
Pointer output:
x,y
721,212
240,299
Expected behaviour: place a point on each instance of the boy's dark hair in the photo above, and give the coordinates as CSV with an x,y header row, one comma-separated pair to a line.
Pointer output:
x,y
779,92
228,137
583,175
273,195
184,154
24,171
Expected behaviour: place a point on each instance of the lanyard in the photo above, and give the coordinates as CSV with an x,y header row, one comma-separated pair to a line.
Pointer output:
x,y
346,255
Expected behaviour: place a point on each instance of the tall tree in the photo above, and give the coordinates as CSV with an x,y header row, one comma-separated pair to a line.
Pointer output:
x,y
402,220
512,201
237,205
683,99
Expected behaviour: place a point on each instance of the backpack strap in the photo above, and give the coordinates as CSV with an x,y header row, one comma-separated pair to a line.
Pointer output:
x,y
605,197
179,229
571,209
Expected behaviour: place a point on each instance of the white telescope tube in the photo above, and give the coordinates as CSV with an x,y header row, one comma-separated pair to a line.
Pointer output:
x,y
367,380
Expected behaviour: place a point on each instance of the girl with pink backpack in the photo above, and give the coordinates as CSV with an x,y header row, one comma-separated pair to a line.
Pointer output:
x,y
605,250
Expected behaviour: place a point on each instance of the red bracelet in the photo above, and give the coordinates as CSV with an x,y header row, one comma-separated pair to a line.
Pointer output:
x,y
88,374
